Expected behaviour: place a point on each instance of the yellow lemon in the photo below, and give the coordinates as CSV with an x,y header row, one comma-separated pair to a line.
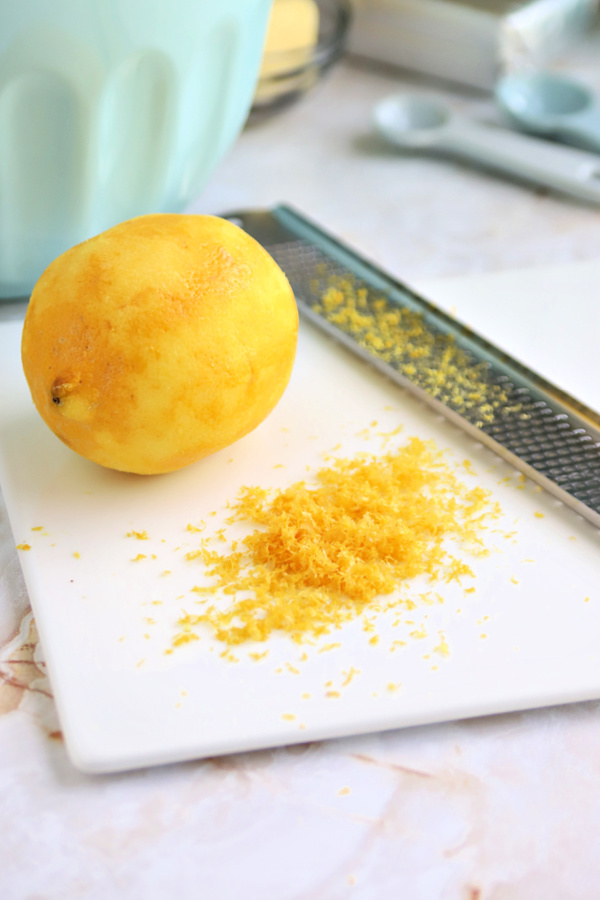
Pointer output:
x,y
159,341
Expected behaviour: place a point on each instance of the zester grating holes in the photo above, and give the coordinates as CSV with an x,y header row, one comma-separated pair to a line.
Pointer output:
x,y
541,430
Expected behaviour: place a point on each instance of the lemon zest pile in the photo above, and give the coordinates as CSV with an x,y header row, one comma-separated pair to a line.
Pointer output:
x,y
321,555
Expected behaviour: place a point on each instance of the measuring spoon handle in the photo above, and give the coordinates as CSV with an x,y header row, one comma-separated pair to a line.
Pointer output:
x,y
582,129
565,169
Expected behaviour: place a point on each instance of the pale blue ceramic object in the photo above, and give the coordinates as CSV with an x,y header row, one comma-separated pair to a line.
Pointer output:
x,y
418,123
111,109
550,104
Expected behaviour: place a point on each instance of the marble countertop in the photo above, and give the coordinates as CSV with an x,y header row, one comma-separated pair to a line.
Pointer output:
x,y
499,808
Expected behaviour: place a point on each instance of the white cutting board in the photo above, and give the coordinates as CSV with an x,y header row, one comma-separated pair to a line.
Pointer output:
x,y
527,637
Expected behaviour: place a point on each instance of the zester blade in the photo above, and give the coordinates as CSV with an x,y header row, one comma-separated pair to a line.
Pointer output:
x,y
548,435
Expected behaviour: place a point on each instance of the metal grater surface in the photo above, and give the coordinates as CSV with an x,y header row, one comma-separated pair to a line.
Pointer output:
x,y
541,430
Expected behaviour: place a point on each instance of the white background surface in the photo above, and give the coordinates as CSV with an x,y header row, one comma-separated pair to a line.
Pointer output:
x,y
501,808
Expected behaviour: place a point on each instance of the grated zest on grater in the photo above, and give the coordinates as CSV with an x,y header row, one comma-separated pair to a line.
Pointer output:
x,y
545,433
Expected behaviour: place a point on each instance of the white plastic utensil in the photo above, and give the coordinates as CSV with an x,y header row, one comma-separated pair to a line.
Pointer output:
x,y
551,105
419,123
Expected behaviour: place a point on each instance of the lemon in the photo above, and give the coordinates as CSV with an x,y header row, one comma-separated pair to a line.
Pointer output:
x,y
159,341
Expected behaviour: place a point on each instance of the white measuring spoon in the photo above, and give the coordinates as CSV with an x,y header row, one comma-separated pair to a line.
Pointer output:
x,y
419,123
551,105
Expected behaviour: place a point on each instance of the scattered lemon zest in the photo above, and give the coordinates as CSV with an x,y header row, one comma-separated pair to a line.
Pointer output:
x,y
442,648
139,535
24,546
184,637
194,554
402,338
419,633
349,675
